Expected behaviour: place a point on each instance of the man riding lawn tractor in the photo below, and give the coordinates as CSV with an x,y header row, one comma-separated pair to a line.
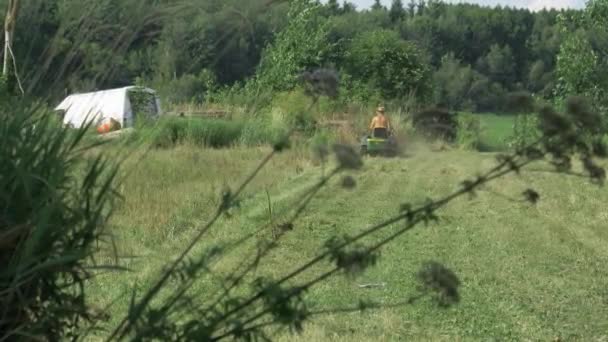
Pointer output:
x,y
381,139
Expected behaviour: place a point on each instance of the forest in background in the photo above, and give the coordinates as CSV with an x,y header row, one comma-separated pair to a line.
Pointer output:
x,y
458,56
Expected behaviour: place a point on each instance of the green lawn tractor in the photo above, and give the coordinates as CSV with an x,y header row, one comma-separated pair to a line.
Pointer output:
x,y
379,144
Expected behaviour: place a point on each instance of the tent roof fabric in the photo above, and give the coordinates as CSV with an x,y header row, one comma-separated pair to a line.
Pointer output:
x,y
113,103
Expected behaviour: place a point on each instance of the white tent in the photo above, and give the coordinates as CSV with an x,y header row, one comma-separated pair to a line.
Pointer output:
x,y
114,103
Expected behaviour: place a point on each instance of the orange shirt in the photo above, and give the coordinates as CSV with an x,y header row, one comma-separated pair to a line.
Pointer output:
x,y
380,121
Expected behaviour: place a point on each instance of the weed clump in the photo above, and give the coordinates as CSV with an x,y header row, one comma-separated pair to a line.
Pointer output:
x,y
434,278
53,206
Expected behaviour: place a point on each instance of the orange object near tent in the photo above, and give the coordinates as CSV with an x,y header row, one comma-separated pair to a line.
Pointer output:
x,y
108,125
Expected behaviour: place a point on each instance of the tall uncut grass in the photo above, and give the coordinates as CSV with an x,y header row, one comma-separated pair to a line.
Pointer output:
x,y
54,201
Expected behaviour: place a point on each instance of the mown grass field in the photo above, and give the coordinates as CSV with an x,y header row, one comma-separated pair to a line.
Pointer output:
x,y
527,272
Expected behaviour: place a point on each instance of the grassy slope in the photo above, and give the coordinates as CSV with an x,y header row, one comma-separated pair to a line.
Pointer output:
x,y
527,272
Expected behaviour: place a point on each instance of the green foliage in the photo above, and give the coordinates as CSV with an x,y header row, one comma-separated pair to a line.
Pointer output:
x,y
257,132
577,65
188,87
293,110
188,50
214,133
4,89
539,80
239,95
581,63
301,46
320,144
397,12
333,7
469,131
358,91
461,87
525,131
143,105
169,132
377,6
489,96
499,64
201,132
597,14
55,201
387,63
454,84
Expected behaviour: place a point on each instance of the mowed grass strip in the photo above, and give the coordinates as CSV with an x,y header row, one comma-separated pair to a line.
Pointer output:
x,y
528,272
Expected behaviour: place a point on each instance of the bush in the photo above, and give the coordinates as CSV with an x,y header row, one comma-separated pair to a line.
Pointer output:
x,y
292,110
143,105
53,209
525,131
436,123
458,86
301,46
386,62
469,131
358,91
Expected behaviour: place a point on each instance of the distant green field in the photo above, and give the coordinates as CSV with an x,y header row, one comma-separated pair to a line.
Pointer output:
x,y
494,130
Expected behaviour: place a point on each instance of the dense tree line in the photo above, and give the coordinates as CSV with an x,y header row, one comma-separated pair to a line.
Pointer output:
x,y
460,56
477,53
